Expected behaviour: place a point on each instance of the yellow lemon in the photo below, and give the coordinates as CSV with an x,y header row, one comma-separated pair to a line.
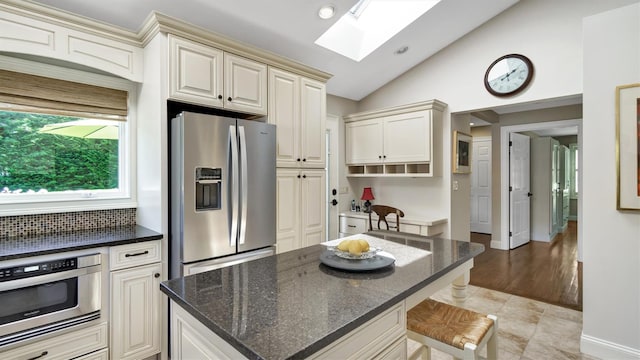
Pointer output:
x,y
344,245
364,245
354,248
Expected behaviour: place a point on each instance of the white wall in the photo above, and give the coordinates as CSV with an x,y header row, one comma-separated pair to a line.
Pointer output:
x,y
611,295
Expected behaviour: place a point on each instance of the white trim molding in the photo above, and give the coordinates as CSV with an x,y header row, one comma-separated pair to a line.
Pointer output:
x,y
606,349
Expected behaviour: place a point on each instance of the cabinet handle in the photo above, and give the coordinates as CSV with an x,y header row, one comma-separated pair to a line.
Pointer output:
x,y
44,353
156,275
298,159
379,156
351,226
384,156
137,254
305,159
304,176
220,97
229,98
298,176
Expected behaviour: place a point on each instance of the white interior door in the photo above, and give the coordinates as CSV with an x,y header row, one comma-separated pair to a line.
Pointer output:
x,y
481,186
332,177
519,201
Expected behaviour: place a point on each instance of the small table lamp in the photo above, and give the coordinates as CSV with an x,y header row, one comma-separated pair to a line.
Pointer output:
x,y
367,195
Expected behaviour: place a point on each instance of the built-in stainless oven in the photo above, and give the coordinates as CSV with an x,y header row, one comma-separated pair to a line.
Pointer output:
x,y
41,297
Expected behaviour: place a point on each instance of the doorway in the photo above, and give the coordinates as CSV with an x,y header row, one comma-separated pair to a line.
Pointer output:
x,y
506,213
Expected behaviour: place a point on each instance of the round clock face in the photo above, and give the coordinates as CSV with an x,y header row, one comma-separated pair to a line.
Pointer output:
x,y
508,75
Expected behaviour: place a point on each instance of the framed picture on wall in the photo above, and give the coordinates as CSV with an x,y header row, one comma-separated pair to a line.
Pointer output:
x,y
628,146
461,153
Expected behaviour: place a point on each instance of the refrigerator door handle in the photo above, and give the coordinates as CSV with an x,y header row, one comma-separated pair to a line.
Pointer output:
x,y
233,138
245,184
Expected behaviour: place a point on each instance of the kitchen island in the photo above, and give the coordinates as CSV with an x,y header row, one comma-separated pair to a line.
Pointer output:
x,y
291,306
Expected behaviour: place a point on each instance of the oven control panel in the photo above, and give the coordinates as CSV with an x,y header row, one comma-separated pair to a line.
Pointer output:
x,y
47,267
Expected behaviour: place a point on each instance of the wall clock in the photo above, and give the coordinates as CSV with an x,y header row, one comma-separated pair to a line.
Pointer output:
x,y
508,75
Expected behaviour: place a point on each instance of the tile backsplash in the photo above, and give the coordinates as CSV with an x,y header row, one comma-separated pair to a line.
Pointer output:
x,y
22,225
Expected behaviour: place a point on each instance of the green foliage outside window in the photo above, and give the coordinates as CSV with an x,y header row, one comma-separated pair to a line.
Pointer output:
x,y
33,161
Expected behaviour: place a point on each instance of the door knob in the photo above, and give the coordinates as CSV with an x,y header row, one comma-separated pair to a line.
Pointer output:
x,y
529,194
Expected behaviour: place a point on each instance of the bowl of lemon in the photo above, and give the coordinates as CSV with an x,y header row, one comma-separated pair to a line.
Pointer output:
x,y
354,249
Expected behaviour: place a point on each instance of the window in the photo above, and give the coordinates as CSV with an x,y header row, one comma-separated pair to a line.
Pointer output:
x,y
573,153
64,145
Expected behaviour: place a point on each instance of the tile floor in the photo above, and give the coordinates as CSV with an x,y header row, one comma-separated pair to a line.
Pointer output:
x,y
527,329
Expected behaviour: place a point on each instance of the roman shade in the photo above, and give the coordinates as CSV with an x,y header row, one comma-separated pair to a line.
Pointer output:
x,y
38,94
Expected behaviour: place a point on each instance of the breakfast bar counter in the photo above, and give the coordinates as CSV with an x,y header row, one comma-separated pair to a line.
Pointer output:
x,y
292,306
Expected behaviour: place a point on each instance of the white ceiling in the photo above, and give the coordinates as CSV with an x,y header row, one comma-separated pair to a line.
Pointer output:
x,y
290,27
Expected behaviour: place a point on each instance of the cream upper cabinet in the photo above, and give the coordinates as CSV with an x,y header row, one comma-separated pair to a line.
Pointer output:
x,y
364,142
36,34
208,76
245,85
300,197
399,141
297,106
407,137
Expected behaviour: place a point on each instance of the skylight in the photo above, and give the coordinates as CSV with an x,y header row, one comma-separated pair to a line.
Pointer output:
x,y
369,24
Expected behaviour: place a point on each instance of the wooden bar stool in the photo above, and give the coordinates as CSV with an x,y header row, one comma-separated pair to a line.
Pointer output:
x,y
453,330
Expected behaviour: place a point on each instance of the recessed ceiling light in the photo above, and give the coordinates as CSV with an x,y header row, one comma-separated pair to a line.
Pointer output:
x,y
326,12
471,123
402,50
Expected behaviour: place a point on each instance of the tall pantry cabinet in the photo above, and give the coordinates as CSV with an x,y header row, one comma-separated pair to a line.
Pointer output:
x,y
297,106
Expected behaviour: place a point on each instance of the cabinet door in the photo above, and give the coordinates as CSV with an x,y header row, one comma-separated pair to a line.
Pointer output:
x,y
195,72
284,112
313,205
312,119
407,137
287,209
364,142
245,85
135,312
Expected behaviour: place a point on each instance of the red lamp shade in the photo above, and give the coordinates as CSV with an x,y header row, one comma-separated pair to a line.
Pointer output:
x,y
367,194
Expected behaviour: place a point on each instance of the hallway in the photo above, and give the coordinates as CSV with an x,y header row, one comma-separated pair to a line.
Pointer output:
x,y
547,272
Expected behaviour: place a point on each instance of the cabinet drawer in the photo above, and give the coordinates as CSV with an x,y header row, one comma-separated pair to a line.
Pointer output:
x,y
352,225
98,355
410,228
136,254
63,347
370,339
397,351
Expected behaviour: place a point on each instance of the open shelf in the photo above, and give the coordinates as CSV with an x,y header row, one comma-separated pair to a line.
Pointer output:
x,y
390,170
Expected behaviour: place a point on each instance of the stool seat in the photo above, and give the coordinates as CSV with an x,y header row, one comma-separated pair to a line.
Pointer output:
x,y
461,330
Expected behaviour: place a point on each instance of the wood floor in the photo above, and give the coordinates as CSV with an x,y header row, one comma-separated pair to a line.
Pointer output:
x,y
547,272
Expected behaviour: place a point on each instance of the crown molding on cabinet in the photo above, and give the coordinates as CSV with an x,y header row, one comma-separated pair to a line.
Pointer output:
x,y
69,20
395,110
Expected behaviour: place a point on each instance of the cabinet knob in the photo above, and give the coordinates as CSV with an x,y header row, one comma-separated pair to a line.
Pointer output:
x,y
229,98
379,156
220,97
298,176
304,176
298,159
156,275
384,156
304,159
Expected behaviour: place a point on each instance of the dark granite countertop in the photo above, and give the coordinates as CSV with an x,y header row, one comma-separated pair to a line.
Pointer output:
x,y
289,306
24,246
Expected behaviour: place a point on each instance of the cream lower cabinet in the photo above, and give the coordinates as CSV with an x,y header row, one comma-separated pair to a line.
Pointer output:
x,y
297,106
382,337
135,300
301,204
204,75
358,223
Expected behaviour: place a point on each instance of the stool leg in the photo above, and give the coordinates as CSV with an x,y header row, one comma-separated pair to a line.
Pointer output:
x,y
423,353
470,352
492,344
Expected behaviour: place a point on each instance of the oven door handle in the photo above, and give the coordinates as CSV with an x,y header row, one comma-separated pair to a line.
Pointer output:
x,y
47,278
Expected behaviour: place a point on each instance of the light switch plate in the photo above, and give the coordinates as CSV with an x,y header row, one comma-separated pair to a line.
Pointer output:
x,y
455,185
344,190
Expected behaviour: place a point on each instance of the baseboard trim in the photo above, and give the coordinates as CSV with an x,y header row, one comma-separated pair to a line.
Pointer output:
x,y
497,244
605,349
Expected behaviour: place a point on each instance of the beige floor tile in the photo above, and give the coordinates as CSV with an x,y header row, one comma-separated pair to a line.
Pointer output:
x,y
559,312
559,333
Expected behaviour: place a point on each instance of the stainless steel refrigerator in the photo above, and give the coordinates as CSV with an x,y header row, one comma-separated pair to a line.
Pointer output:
x,y
223,173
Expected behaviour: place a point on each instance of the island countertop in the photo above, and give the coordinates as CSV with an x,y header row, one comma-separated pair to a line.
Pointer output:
x,y
291,305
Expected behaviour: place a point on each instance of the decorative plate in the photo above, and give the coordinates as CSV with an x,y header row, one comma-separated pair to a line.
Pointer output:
x,y
347,255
